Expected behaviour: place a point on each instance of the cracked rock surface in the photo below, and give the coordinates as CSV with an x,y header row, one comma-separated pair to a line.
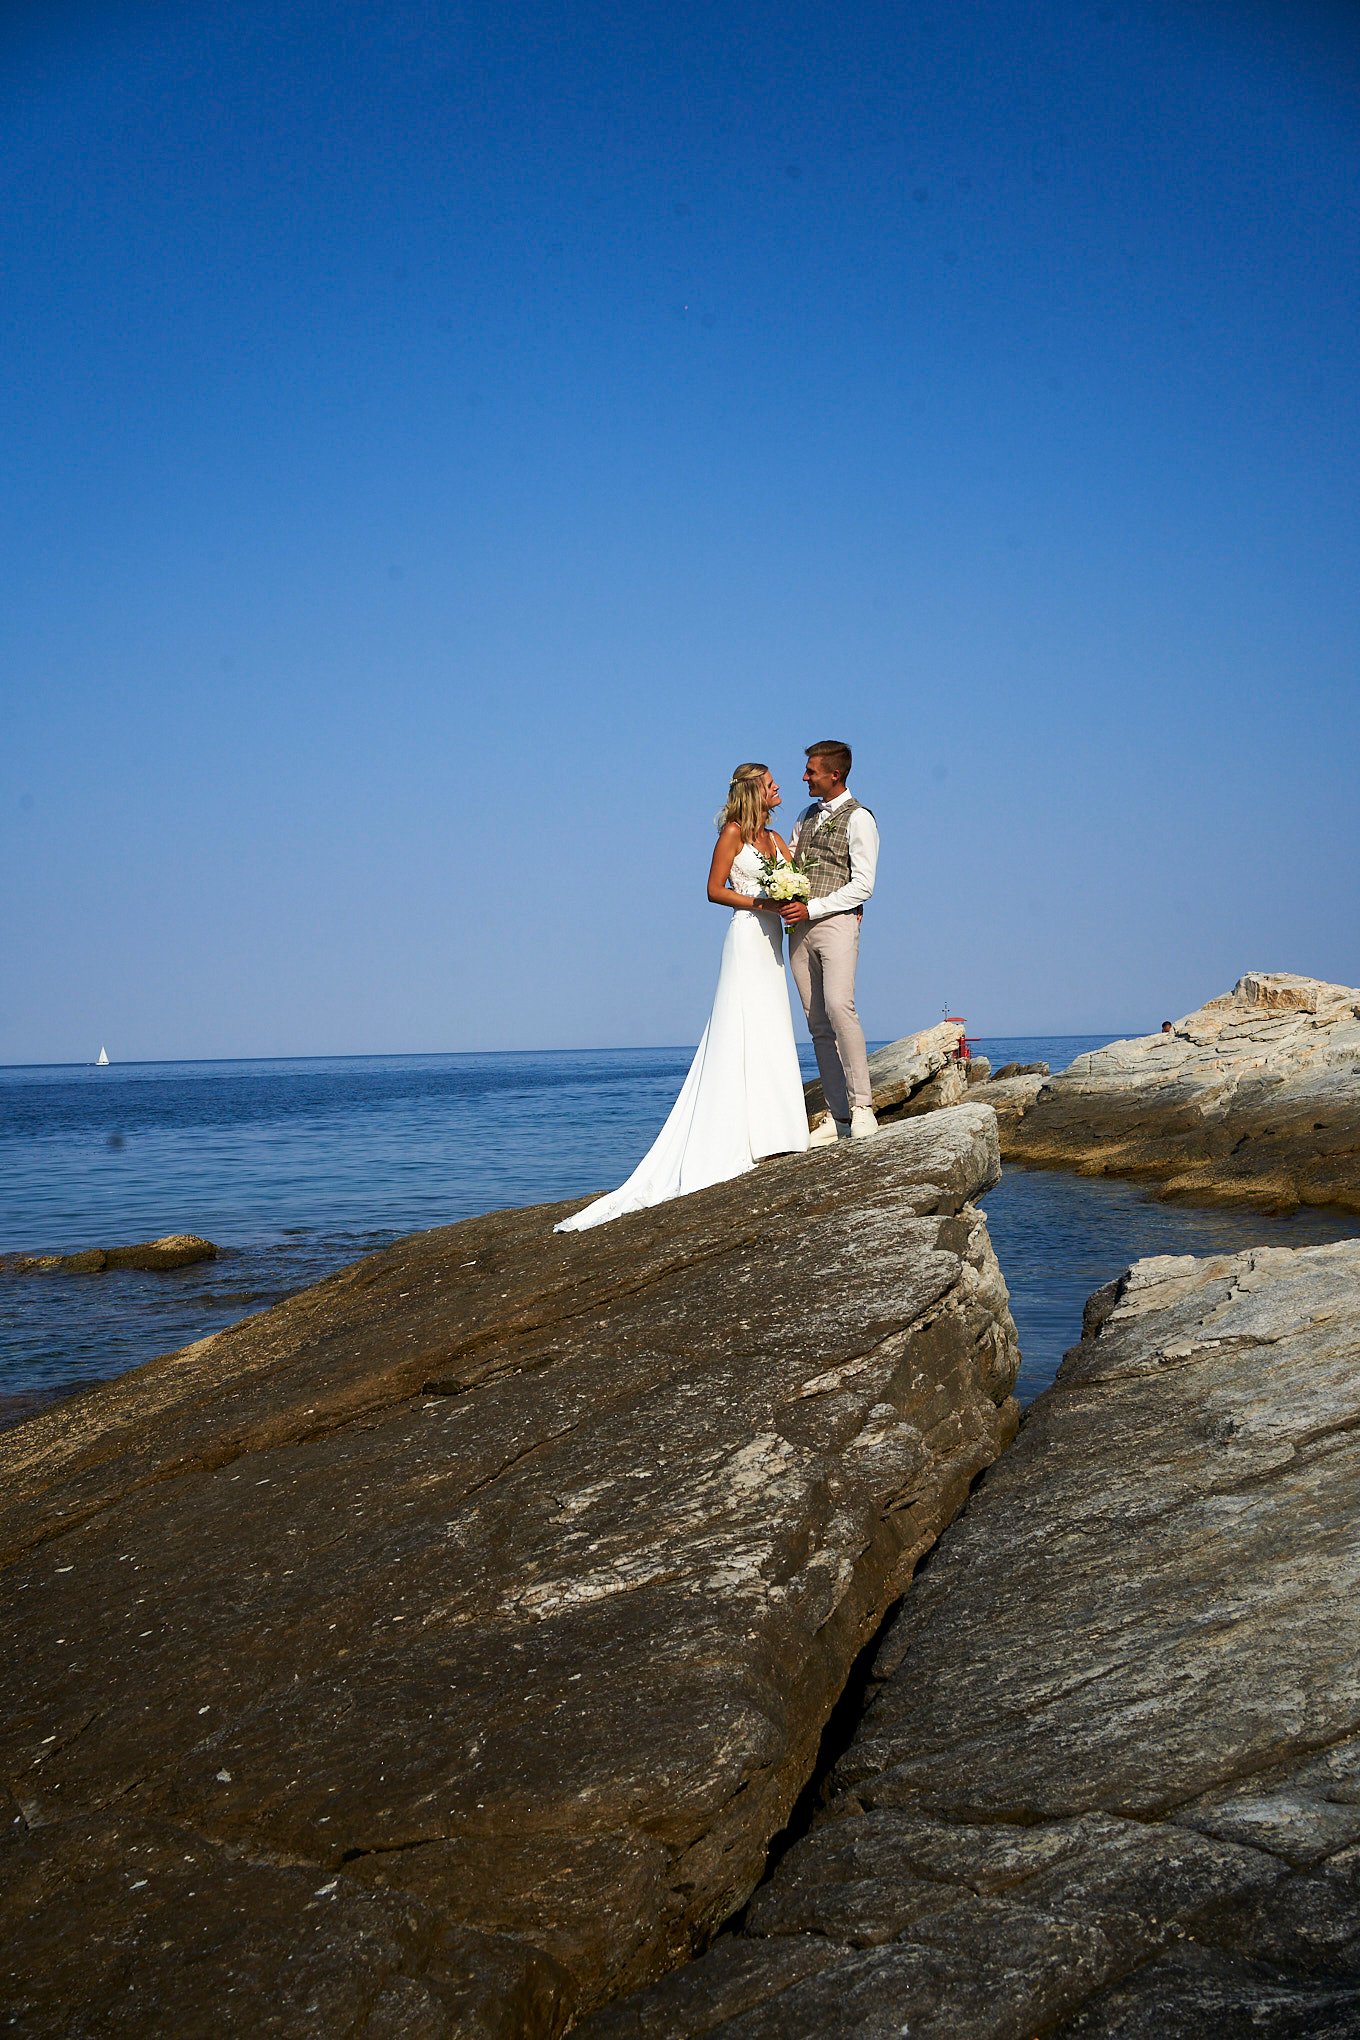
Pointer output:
x,y
438,1652
1107,1783
1255,1097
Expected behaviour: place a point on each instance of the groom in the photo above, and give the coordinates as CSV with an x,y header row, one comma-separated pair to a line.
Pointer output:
x,y
836,841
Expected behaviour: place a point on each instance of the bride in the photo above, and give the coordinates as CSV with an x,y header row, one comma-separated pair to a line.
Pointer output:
x,y
743,1097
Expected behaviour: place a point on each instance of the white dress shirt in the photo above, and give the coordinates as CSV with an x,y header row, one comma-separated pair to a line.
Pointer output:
x,y
862,839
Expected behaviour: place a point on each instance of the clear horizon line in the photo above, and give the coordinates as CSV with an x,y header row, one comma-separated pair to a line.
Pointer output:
x,y
405,1054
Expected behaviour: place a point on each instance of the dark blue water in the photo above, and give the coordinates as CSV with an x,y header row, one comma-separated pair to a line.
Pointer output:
x,y
294,1168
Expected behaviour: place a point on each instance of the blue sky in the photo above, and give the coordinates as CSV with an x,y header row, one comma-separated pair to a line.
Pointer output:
x,y
440,441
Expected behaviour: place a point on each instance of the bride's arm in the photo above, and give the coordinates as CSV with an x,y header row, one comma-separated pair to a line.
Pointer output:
x,y
720,870
793,911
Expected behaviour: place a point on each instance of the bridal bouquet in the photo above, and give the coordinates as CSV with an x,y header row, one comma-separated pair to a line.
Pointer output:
x,y
783,879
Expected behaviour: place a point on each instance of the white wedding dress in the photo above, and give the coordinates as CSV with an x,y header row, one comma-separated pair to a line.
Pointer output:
x,y
743,1097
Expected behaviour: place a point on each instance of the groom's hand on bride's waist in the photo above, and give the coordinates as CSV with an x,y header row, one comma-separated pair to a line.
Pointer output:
x,y
794,911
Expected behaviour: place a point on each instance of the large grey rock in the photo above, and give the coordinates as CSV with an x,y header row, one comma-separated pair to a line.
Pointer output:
x,y
1108,1779
438,1652
920,1073
1010,1097
1254,1097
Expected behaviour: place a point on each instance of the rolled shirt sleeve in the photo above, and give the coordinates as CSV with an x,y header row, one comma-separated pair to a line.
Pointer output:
x,y
862,842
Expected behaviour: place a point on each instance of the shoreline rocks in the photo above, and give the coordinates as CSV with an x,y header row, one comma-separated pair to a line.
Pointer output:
x,y
1011,1097
1253,1098
1107,1784
440,1651
175,1250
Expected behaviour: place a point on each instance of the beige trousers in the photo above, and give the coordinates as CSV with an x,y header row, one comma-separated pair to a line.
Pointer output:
x,y
822,957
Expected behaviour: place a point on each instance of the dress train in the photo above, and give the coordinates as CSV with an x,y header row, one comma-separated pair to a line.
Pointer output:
x,y
743,1096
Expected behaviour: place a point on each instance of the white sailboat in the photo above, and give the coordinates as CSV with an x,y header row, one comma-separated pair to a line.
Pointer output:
x,y
102,1058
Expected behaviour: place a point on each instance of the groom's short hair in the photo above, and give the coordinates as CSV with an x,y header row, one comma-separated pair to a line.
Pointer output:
x,y
837,755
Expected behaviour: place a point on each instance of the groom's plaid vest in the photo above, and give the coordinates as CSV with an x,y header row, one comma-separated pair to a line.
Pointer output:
x,y
824,848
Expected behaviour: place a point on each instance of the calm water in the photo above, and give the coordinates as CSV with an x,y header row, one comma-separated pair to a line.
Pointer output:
x,y
294,1168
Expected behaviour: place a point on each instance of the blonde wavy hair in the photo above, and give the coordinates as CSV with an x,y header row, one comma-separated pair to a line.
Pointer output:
x,y
746,802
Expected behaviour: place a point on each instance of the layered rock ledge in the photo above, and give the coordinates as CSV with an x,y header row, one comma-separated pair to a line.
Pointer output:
x,y
1255,1097
438,1652
1107,1786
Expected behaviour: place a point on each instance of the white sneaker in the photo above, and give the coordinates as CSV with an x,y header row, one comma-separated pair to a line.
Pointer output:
x,y
824,1132
863,1125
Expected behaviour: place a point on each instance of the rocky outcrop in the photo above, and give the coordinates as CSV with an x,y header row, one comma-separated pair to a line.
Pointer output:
x,y
1255,1097
920,1073
1108,1779
438,1652
1010,1097
1009,1091
176,1250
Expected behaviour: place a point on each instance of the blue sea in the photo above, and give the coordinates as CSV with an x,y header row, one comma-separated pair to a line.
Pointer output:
x,y
296,1167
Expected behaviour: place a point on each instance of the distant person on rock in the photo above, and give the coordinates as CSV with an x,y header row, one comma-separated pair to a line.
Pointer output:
x,y
836,842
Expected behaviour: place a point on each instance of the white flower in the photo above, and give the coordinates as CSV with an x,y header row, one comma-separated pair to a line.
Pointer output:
x,y
783,881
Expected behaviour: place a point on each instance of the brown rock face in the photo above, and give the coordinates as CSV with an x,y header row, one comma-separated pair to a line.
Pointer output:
x,y
438,1652
1254,1098
1108,1782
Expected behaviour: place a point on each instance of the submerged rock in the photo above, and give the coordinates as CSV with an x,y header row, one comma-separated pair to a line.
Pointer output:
x,y
438,1652
176,1250
920,1073
1255,1097
1108,1780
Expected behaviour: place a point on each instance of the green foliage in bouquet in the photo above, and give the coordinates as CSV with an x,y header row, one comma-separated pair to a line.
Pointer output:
x,y
783,879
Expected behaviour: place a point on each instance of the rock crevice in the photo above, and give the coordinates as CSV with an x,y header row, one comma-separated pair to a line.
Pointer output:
x,y
1107,1782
